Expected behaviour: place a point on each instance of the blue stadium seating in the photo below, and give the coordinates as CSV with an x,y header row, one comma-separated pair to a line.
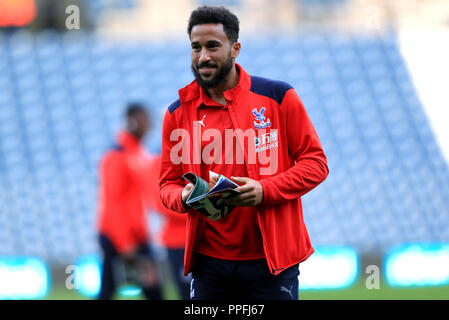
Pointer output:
x,y
62,98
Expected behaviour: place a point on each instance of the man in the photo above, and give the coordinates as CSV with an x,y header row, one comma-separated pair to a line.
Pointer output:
x,y
122,222
254,251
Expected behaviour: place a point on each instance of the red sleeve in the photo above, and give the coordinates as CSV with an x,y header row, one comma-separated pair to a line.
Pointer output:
x,y
151,182
115,181
153,191
310,167
171,182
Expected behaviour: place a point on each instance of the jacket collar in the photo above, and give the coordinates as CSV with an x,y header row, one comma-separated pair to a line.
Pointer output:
x,y
128,141
195,93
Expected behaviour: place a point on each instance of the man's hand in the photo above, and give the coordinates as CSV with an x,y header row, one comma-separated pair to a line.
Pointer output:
x,y
186,193
251,193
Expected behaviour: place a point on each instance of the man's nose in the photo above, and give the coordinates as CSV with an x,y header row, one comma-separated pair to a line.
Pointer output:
x,y
204,55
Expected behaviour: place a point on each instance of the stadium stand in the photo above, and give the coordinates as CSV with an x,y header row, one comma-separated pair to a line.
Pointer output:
x,y
62,95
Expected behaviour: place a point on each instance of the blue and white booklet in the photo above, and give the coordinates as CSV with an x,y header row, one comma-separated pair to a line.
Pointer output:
x,y
208,197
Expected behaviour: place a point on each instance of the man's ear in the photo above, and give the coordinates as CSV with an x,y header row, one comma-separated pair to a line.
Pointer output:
x,y
235,49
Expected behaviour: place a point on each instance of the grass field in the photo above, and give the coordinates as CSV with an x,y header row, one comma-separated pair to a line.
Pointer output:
x,y
355,292
385,292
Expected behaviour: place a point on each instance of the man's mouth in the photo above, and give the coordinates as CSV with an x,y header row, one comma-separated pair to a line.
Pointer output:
x,y
206,69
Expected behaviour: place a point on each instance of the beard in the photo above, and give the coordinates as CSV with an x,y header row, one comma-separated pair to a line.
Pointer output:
x,y
220,76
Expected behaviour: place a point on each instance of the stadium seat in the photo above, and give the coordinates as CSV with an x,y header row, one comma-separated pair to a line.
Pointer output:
x,y
62,98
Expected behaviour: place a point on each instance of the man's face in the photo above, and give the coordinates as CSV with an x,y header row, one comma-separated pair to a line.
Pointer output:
x,y
139,125
144,125
212,54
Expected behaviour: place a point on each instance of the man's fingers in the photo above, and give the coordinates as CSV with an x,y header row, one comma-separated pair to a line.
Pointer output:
x,y
244,188
241,197
240,179
186,192
188,188
250,193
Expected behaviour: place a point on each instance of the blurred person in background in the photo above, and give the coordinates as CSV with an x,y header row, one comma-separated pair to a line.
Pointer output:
x,y
172,235
122,221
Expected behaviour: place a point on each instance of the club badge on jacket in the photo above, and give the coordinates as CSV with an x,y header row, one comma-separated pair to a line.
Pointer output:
x,y
259,122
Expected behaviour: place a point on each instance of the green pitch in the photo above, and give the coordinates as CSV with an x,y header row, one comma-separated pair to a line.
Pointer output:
x,y
385,292
355,292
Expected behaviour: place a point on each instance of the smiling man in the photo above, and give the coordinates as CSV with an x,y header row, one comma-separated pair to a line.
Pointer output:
x,y
254,251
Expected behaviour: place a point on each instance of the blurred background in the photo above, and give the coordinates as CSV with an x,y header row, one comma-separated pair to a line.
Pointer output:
x,y
373,75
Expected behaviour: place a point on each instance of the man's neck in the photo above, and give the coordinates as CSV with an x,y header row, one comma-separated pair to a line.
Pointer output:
x,y
134,135
217,93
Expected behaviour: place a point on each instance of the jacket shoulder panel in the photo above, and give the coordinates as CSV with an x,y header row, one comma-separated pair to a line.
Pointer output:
x,y
116,147
175,105
273,89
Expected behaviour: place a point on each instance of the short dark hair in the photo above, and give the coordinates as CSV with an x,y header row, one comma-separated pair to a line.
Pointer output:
x,y
135,109
210,14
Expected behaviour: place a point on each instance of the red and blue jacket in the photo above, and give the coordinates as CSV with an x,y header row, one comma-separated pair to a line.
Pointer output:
x,y
274,112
